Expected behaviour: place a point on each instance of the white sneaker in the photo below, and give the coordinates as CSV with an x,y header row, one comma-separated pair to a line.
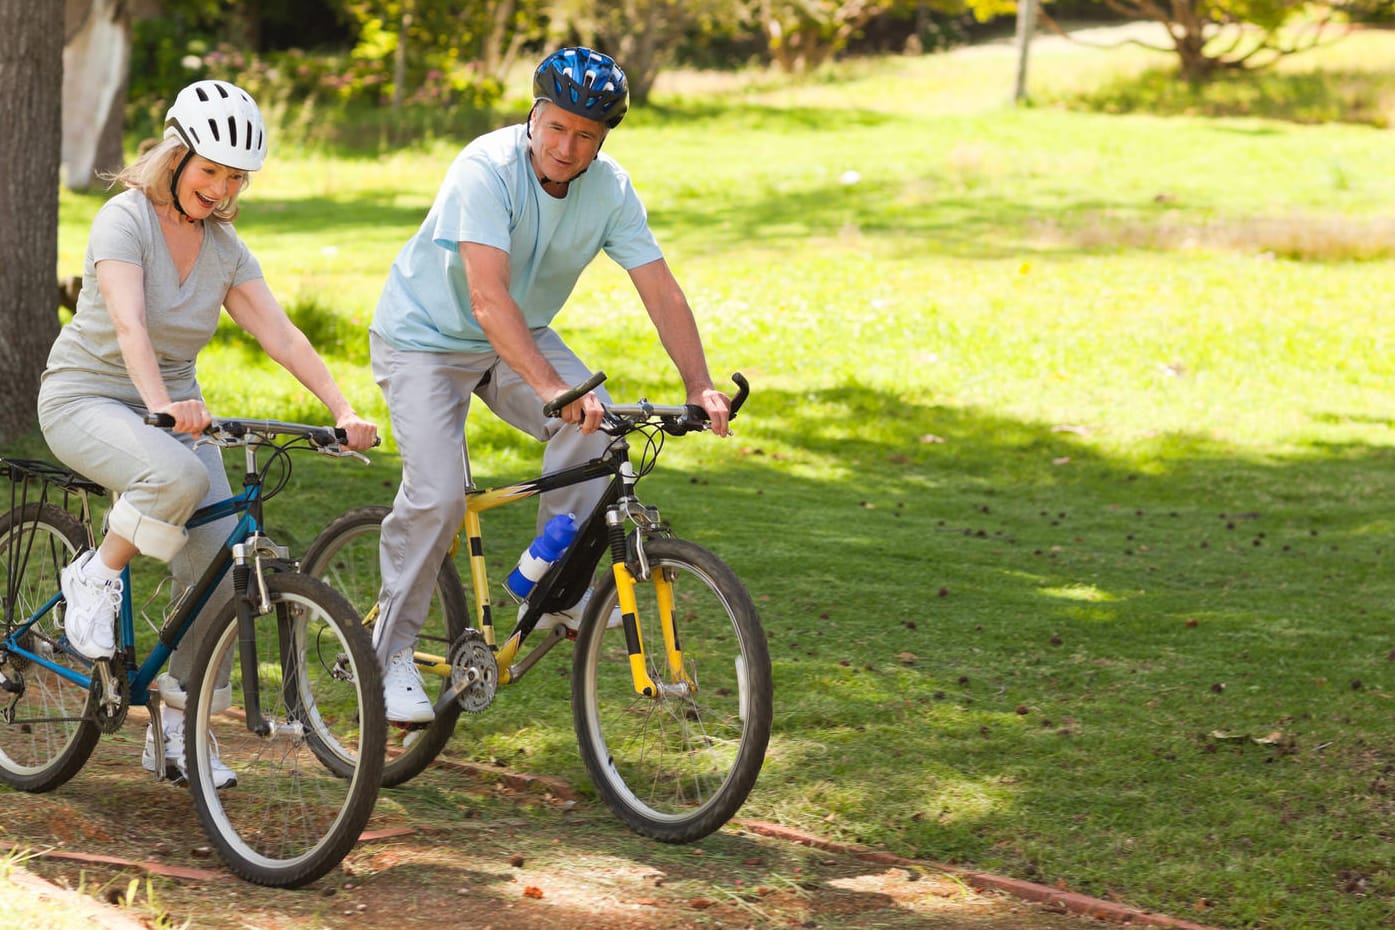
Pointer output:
x,y
90,617
404,690
571,617
223,777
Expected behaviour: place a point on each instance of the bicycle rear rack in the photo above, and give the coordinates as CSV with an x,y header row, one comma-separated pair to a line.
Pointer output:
x,y
41,482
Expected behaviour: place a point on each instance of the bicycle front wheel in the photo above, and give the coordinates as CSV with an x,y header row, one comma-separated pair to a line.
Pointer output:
x,y
289,818
48,734
345,555
677,764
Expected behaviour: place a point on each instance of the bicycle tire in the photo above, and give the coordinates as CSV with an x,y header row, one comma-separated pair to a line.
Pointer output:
x,y
345,555
52,733
289,819
675,767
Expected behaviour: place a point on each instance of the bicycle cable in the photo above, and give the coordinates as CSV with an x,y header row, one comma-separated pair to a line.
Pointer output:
x,y
654,438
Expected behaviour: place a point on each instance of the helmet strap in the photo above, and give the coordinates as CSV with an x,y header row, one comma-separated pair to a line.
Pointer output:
x,y
174,185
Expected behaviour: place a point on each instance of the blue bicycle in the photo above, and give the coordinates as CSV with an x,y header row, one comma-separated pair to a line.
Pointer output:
x,y
286,689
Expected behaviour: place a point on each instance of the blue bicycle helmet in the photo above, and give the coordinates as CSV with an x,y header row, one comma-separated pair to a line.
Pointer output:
x,y
583,82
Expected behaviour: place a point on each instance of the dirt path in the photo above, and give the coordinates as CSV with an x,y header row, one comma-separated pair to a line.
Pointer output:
x,y
508,851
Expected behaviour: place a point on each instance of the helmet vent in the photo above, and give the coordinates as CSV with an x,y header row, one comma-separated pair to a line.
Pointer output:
x,y
232,132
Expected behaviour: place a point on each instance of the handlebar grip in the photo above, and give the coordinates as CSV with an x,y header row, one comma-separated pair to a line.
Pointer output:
x,y
341,436
554,407
743,389
162,420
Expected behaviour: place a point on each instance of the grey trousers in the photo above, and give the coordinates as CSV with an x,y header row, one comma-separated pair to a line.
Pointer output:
x,y
428,398
158,473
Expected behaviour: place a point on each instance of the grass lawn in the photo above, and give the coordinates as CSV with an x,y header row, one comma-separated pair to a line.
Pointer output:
x,y
1063,486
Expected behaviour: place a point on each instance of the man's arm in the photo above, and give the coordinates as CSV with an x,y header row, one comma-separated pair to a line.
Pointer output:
x,y
673,318
487,270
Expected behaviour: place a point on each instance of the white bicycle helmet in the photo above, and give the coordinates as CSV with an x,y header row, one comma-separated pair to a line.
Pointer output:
x,y
220,122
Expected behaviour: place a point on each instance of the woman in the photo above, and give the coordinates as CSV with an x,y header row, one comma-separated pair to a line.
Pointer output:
x,y
162,259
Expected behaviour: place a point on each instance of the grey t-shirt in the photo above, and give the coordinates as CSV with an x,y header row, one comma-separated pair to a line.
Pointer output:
x,y
180,318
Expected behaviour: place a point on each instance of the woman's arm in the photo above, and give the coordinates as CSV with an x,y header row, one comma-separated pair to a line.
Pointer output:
x,y
123,288
253,307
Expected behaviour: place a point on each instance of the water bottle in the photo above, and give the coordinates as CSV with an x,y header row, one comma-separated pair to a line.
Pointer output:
x,y
556,536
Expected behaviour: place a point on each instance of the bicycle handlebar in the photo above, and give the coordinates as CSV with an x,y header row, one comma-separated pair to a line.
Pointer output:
x,y
234,432
679,418
674,419
553,408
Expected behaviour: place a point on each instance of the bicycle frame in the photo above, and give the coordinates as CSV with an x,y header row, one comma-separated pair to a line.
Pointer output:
x,y
565,581
247,506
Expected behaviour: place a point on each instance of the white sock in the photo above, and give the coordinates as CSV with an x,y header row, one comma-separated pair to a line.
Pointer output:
x,y
96,568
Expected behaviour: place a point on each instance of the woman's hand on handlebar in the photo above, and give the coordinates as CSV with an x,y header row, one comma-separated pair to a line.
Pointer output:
x,y
190,416
361,434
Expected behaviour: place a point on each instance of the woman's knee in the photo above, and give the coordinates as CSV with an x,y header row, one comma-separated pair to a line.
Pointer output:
x,y
177,487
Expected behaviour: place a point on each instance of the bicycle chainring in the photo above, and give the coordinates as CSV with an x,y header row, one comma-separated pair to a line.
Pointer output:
x,y
472,664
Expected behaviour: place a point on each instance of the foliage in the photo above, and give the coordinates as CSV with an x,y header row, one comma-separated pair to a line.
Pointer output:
x,y
804,34
473,43
643,35
1346,82
327,97
1212,36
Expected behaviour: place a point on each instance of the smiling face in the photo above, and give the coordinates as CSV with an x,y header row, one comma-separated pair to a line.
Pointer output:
x,y
204,184
564,144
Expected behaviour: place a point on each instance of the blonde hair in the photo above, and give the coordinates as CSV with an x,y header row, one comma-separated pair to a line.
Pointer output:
x,y
152,173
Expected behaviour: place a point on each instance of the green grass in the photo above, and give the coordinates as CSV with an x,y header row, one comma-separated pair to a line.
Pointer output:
x,y
1063,485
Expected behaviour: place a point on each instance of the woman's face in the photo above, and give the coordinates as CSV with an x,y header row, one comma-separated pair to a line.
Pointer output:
x,y
564,144
205,184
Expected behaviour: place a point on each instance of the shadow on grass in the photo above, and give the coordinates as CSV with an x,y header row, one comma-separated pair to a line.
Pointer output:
x,y
931,216
1327,96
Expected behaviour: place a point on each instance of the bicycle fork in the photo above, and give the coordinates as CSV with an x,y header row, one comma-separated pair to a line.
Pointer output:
x,y
251,604
679,683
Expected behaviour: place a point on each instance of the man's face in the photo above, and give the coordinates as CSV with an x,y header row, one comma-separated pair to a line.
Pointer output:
x,y
564,144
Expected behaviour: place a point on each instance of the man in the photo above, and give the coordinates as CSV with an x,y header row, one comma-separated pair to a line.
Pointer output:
x,y
467,310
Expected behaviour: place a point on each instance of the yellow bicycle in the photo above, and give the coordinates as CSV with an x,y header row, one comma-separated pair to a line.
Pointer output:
x,y
672,714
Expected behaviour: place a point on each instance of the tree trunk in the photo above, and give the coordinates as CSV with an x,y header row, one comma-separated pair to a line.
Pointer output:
x,y
502,43
96,59
31,76
639,47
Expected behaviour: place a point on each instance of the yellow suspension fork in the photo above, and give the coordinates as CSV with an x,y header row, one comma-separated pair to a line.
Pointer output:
x,y
629,609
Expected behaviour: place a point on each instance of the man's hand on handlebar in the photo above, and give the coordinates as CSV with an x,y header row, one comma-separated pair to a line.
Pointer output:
x,y
585,411
361,434
718,407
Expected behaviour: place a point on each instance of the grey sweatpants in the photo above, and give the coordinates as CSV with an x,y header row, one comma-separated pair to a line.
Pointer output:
x,y
428,398
157,473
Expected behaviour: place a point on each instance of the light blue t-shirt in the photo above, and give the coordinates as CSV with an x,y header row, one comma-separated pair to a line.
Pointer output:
x,y
491,196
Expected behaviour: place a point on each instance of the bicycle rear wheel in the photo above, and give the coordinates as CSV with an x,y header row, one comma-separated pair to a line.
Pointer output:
x,y
48,735
677,765
345,555
290,818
